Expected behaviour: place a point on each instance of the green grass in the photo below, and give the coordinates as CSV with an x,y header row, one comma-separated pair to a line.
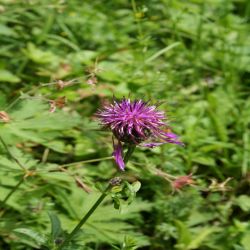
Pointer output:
x,y
193,56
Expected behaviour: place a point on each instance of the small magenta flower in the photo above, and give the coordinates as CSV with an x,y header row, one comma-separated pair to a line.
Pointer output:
x,y
133,123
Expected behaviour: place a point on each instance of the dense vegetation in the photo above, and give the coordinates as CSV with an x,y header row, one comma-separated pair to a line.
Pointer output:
x,y
62,60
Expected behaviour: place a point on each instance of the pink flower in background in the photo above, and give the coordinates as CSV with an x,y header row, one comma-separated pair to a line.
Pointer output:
x,y
182,181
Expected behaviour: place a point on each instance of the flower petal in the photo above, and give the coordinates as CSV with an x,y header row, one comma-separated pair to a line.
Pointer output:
x,y
152,144
118,155
171,135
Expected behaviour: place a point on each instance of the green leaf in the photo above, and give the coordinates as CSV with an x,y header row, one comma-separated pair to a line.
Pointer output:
x,y
28,109
35,237
204,160
6,31
136,186
200,237
243,201
7,76
185,236
56,229
39,56
116,189
245,241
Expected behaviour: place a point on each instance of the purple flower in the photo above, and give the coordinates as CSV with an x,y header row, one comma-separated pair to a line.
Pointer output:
x,y
118,155
134,122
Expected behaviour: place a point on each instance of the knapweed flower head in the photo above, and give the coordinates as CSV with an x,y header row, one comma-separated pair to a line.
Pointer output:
x,y
135,123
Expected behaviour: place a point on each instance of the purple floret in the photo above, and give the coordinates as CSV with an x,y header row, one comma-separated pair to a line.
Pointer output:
x,y
134,122
118,156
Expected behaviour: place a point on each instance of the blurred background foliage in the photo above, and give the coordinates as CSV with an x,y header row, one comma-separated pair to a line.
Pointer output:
x,y
193,56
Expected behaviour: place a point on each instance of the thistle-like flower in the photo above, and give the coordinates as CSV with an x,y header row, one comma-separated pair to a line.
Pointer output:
x,y
135,123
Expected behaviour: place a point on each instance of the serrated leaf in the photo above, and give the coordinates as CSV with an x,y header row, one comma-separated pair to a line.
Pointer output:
x,y
27,109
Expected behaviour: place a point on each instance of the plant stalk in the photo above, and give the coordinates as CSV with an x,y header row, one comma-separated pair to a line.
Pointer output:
x,y
12,191
85,218
129,152
11,155
15,188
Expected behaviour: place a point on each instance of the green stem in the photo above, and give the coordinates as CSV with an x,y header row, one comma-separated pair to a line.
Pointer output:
x,y
14,189
129,152
85,218
95,206
11,155
88,161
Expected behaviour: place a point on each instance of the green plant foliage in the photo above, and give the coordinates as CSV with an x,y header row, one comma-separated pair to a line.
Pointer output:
x,y
192,57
